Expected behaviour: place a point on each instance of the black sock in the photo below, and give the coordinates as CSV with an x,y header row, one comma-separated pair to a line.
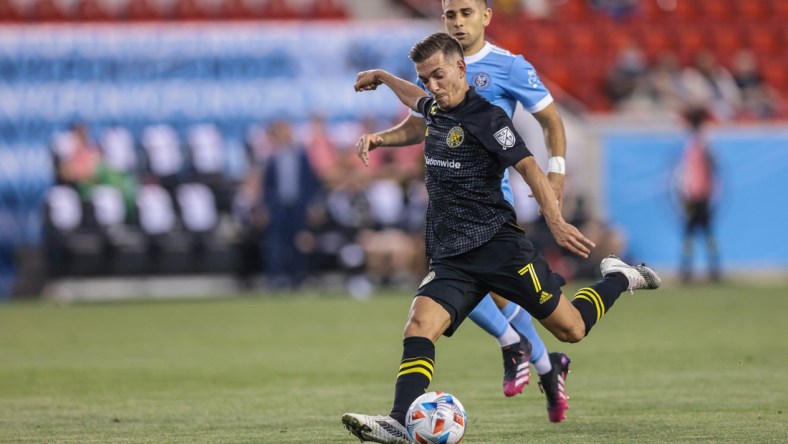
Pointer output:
x,y
594,301
415,374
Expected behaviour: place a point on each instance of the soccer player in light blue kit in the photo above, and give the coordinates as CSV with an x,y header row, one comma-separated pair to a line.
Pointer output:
x,y
504,79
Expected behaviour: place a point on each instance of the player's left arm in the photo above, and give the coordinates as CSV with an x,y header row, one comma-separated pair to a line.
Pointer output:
x,y
527,88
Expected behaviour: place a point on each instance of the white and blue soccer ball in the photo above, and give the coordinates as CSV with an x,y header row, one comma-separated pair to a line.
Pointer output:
x,y
436,418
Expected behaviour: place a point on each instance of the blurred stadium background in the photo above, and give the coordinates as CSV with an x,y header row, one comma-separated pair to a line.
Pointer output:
x,y
133,135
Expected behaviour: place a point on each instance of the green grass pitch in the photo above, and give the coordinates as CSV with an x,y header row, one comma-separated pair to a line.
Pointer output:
x,y
680,365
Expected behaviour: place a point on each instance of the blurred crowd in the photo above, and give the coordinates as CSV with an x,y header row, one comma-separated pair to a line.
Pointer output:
x,y
309,206
738,92
300,206
302,210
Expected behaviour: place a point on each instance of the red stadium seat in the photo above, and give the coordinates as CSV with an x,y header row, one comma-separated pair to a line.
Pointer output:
x,y
511,39
583,40
779,10
616,37
328,9
239,9
774,72
650,11
685,11
196,10
715,11
9,11
751,10
690,39
725,40
573,11
280,10
560,74
144,10
94,10
655,39
763,39
48,11
549,39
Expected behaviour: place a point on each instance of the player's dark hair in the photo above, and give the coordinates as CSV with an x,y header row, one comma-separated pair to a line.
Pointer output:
x,y
433,43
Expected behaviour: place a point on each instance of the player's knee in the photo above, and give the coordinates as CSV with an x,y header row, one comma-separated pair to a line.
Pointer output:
x,y
572,334
426,328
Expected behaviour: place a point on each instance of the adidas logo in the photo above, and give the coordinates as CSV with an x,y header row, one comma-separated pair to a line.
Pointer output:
x,y
544,297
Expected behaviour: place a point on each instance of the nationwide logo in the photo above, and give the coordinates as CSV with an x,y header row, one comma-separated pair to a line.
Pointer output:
x,y
455,137
442,163
505,137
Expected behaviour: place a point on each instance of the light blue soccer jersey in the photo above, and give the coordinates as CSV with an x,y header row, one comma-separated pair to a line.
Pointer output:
x,y
504,79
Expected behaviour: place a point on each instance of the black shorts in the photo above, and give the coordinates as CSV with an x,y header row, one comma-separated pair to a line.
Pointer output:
x,y
508,265
698,216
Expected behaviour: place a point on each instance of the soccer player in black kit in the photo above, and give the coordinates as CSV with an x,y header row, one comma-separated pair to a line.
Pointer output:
x,y
473,241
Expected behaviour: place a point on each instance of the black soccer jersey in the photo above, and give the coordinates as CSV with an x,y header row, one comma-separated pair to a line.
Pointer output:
x,y
467,150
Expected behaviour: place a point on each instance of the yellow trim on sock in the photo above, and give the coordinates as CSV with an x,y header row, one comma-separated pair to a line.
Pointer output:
x,y
599,298
582,296
421,370
594,299
426,362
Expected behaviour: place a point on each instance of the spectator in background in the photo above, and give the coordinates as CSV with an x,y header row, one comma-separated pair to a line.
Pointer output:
x,y
626,82
618,9
289,185
80,163
758,99
696,186
666,84
321,149
77,158
540,9
250,216
711,86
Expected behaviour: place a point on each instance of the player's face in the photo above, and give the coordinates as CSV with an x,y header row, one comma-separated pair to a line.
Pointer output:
x,y
465,20
444,78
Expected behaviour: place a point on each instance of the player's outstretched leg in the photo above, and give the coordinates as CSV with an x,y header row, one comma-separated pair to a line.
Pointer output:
x,y
514,346
553,383
640,277
382,429
617,277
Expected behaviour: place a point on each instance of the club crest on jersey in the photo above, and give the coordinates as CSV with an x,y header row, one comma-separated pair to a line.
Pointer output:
x,y
505,137
455,137
481,80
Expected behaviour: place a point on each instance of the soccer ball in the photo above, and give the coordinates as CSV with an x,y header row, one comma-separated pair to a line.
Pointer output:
x,y
436,418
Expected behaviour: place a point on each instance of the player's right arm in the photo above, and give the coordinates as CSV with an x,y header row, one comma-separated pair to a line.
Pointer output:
x,y
408,93
410,131
565,234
